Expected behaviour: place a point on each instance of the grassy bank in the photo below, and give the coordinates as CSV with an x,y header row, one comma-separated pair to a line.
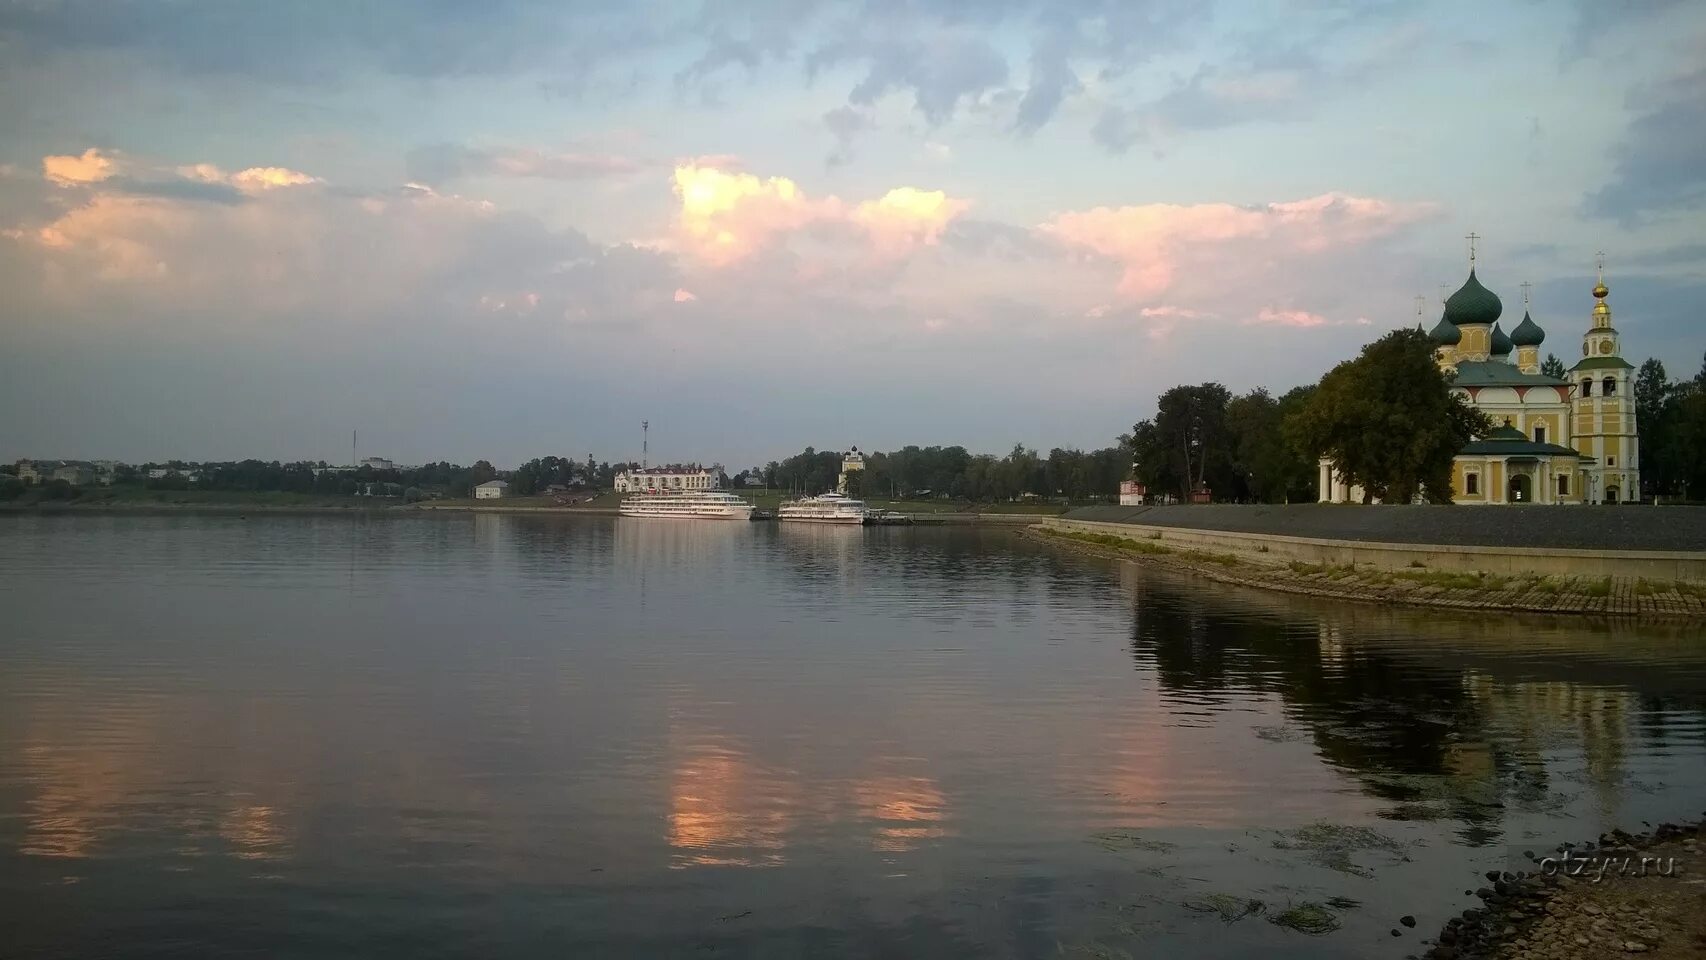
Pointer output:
x,y
1418,587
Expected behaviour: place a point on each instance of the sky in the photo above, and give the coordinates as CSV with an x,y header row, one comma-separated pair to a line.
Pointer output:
x,y
504,230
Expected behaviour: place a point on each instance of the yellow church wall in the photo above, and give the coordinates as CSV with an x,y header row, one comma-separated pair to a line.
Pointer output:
x,y
1553,422
1496,481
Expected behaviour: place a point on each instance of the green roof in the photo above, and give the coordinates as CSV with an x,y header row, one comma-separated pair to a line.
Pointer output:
x,y
1445,333
1603,363
1473,303
1506,441
1527,333
1502,345
1497,373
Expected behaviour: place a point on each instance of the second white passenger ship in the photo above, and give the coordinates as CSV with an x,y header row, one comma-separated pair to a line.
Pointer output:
x,y
704,504
829,508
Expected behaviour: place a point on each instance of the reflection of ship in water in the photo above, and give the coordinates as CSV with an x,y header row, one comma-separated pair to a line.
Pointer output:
x,y
1441,716
687,546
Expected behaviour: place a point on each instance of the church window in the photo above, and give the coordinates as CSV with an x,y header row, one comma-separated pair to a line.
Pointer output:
x,y
1563,484
1540,434
1611,461
1472,484
1587,388
1609,387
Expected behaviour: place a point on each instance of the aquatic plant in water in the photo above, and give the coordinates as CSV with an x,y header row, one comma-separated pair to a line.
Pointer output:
x,y
1310,918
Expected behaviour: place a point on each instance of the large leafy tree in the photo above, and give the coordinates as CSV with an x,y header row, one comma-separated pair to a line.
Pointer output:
x,y
1188,443
1267,468
1389,421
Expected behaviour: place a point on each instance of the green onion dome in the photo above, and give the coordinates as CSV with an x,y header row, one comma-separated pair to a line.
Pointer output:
x,y
1502,345
1527,333
1445,333
1473,303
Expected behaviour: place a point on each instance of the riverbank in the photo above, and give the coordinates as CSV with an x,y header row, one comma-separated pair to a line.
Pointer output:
x,y
1607,596
1620,895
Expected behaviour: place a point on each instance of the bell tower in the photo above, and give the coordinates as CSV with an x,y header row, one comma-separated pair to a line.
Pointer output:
x,y
1602,406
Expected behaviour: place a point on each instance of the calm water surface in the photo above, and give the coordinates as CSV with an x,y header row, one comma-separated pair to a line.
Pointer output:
x,y
594,737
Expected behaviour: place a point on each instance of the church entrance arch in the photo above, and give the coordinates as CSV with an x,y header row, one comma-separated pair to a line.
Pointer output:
x,y
1520,492
1611,494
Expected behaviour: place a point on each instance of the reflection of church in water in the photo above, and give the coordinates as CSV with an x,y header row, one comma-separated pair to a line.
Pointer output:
x,y
1569,439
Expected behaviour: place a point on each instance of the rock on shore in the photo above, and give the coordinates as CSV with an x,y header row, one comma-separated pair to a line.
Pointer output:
x,y
1611,905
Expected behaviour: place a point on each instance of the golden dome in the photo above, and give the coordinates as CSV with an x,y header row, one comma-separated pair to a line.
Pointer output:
x,y
1600,290
1600,309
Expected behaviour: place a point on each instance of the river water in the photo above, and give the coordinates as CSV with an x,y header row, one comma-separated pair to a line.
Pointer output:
x,y
449,736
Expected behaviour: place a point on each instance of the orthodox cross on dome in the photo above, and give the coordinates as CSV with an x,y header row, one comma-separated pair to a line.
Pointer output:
x,y
1599,258
1442,289
1420,300
1472,237
1525,285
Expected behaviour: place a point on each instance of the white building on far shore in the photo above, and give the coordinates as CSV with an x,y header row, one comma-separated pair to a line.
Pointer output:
x,y
491,490
670,479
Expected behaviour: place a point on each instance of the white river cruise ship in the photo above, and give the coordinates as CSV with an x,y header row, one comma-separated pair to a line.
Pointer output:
x,y
829,508
704,504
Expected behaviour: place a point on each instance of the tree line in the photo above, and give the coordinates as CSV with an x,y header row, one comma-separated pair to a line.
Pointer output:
x,y
1671,418
1387,418
955,472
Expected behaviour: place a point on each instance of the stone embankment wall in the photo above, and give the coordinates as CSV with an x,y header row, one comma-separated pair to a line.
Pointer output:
x,y
1655,543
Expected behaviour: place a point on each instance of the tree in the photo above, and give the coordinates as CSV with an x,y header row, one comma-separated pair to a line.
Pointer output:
x,y
1267,468
1389,421
1552,367
1189,438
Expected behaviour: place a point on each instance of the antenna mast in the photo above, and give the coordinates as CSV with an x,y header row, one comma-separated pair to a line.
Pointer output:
x,y
645,439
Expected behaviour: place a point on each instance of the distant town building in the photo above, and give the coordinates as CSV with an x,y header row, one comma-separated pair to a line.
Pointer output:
x,y
1132,493
378,463
28,472
76,474
491,490
852,463
670,479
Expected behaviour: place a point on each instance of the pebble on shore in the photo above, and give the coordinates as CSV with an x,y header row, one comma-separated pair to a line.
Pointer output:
x,y
1659,914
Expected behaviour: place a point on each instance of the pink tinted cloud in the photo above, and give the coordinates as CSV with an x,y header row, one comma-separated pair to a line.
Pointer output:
x,y
1289,318
1150,242
726,216
91,166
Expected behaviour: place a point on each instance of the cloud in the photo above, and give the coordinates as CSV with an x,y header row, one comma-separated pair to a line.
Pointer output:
x,y
280,245
1289,318
90,167
445,162
1659,161
941,68
845,124
683,295
1150,241
726,216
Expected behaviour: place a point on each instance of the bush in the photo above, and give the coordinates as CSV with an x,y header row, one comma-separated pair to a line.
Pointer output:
x,y
60,490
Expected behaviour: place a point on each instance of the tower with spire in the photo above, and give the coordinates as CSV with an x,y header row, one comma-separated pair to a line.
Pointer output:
x,y
1603,406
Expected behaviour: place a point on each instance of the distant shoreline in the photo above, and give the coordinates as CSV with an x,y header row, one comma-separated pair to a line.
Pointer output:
x,y
229,508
